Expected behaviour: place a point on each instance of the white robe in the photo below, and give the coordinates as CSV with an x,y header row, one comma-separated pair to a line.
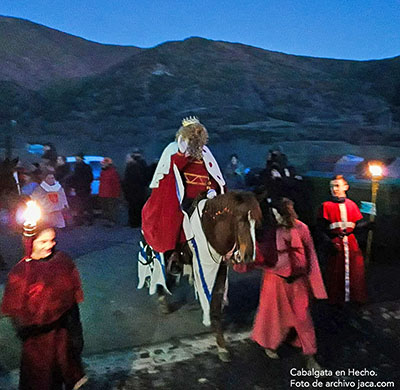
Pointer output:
x,y
52,200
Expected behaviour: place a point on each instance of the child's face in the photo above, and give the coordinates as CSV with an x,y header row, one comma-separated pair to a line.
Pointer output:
x,y
339,188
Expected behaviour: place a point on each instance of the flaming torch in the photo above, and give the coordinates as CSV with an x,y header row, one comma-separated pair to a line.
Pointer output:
x,y
376,171
31,217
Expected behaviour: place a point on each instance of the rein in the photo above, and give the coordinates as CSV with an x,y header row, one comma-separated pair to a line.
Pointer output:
x,y
225,210
214,216
217,261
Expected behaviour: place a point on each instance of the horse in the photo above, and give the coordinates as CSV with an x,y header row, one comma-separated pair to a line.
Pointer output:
x,y
222,233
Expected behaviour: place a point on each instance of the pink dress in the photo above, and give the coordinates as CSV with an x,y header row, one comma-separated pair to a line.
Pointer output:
x,y
285,305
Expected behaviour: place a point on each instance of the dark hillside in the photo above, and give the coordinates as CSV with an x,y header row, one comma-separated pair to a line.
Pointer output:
x,y
229,84
109,97
33,55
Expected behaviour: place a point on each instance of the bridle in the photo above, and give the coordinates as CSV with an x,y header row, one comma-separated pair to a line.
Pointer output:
x,y
231,254
225,210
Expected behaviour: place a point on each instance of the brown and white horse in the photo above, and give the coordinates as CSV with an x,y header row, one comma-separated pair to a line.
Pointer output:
x,y
223,233
228,222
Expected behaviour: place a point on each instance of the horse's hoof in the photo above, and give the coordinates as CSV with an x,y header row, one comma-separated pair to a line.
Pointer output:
x,y
271,354
312,364
224,355
165,310
163,305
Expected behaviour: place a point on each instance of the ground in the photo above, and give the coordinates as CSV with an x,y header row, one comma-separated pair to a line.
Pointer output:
x,y
130,344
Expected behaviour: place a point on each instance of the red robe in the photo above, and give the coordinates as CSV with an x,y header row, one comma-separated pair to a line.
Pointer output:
x,y
284,305
162,216
37,296
348,260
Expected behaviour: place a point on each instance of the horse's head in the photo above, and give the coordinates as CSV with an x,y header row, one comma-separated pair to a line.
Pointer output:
x,y
248,215
229,222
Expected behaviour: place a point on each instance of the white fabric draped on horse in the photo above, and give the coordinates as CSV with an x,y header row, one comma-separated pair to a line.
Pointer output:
x,y
205,262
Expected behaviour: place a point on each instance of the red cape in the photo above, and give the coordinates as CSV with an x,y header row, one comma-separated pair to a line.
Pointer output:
x,y
162,216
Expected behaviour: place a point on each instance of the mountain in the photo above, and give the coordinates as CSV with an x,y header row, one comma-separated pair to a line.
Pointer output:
x,y
33,55
115,96
234,84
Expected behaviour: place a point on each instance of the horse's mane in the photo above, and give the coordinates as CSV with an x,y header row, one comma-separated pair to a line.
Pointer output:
x,y
237,203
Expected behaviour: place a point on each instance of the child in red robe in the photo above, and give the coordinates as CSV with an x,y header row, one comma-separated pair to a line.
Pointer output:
x,y
41,297
338,218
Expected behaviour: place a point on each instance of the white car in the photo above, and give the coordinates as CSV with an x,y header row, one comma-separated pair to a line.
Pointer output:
x,y
95,164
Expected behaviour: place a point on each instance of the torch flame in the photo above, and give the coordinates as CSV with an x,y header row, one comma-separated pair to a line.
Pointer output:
x,y
375,170
32,213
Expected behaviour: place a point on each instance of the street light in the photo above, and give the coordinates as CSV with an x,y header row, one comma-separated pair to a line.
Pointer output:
x,y
375,169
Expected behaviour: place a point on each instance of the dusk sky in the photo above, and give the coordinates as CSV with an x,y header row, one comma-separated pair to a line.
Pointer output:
x,y
349,29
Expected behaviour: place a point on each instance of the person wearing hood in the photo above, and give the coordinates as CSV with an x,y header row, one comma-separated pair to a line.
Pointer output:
x,y
109,191
51,198
41,297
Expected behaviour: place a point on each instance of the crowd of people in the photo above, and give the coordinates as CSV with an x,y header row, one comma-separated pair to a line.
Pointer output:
x,y
64,189
43,290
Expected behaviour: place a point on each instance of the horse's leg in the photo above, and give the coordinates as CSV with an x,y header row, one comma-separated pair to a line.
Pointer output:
x,y
162,297
174,269
217,298
162,301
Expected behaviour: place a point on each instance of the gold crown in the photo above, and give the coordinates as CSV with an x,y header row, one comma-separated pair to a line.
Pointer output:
x,y
190,120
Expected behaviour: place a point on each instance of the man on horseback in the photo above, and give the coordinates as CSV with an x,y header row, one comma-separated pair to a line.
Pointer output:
x,y
186,169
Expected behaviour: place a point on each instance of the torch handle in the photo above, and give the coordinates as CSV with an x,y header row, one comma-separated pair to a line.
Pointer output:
x,y
374,195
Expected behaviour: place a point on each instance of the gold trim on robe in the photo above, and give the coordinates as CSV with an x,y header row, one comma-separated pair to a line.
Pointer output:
x,y
198,180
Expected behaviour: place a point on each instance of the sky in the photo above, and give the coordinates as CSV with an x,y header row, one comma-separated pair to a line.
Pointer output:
x,y
346,29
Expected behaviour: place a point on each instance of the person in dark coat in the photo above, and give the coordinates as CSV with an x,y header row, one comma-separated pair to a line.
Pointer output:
x,y
235,174
49,157
281,180
62,170
134,186
80,187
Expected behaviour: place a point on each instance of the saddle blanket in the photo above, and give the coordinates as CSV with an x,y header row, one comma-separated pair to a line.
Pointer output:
x,y
205,261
